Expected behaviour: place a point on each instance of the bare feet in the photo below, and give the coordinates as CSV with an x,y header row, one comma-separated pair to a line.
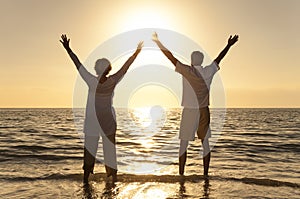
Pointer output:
x,y
114,177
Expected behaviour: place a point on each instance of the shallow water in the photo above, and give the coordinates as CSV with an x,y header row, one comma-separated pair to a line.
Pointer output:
x,y
256,155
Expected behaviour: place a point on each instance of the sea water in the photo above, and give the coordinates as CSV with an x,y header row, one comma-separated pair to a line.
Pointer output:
x,y
255,155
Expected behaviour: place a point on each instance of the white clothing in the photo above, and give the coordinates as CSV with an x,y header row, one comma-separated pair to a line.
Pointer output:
x,y
196,86
99,114
189,98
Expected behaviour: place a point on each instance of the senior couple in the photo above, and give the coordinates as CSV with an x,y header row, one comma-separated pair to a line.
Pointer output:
x,y
100,114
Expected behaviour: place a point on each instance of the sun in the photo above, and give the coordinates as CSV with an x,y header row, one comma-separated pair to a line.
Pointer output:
x,y
148,18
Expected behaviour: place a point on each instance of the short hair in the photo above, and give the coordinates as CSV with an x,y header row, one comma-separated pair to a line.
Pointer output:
x,y
101,65
197,57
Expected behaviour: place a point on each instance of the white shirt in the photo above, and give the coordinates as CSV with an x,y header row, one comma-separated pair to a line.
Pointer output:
x,y
196,84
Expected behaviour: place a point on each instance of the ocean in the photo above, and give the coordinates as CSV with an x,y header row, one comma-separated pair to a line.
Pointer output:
x,y
255,155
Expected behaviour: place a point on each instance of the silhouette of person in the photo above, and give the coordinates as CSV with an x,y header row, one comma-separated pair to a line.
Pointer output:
x,y
99,113
195,100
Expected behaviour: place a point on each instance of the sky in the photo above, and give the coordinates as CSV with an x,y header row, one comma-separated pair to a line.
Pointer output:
x,y
261,70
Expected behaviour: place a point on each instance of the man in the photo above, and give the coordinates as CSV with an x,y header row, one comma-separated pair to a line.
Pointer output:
x,y
195,100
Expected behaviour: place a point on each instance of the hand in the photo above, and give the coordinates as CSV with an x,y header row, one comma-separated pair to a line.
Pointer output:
x,y
232,40
155,37
65,41
140,46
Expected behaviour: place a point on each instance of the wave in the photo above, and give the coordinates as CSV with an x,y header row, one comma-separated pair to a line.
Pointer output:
x,y
128,178
7,127
62,136
29,130
40,148
66,129
266,182
41,157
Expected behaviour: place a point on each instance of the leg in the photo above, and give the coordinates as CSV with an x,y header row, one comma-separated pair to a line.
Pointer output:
x,y
110,157
188,126
203,134
88,165
206,156
89,156
182,155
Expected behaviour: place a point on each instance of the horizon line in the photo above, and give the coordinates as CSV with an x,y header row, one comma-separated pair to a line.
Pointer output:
x,y
139,107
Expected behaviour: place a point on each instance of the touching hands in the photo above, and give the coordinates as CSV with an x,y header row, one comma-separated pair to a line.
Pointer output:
x,y
233,40
65,41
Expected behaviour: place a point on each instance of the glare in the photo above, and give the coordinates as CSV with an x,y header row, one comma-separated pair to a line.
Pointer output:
x,y
144,168
151,95
147,190
149,118
149,55
156,193
147,19
152,193
142,116
147,143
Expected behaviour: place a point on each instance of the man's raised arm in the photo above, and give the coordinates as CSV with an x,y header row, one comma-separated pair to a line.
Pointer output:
x,y
166,52
231,42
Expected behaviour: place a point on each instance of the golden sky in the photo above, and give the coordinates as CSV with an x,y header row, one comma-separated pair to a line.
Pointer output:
x,y
261,70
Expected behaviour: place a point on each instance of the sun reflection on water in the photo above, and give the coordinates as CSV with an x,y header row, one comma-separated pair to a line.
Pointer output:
x,y
150,118
147,143
142,116
143,167
154,193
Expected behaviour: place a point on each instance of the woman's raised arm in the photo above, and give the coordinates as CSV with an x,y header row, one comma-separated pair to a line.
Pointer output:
x,y
86,76
119,74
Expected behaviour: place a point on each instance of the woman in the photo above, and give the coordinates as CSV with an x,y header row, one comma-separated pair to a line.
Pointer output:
x,y
100,114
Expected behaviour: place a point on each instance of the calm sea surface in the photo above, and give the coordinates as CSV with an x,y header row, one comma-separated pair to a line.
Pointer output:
x,y
255,155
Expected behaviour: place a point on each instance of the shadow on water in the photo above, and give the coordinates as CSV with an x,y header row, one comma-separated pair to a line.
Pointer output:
x,y
206,186
182,189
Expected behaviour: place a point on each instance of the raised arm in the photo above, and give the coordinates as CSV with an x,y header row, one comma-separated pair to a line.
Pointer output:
x,y
129,61
231,42
132,58
66,43
166,52
86,76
